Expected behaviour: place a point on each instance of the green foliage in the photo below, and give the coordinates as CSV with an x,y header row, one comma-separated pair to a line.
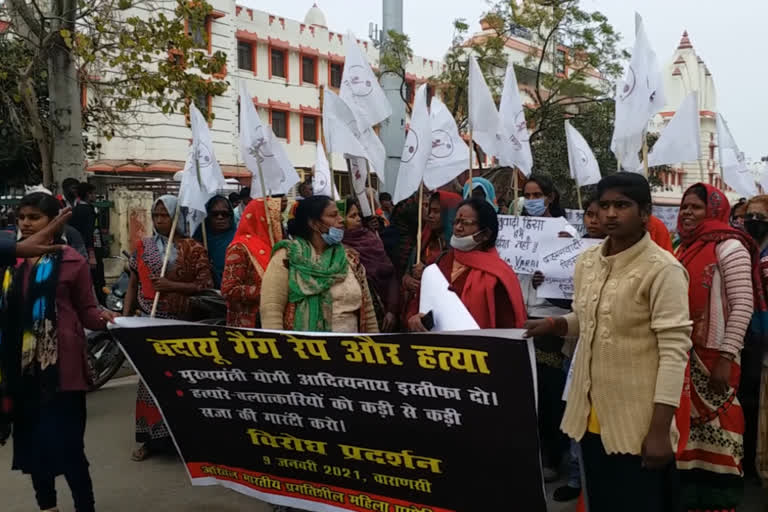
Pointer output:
x,y
395,54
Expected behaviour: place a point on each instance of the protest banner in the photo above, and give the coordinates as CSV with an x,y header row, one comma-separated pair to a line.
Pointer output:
x,y
558,262
341,422
519,239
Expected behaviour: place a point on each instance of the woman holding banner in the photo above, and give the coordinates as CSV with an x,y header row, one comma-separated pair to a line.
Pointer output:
x,y
314,284
630,311
188,272
46,302
725,289
486,285
247,259
379,270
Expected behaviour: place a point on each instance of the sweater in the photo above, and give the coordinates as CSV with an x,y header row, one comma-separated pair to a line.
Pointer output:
x,y
631,316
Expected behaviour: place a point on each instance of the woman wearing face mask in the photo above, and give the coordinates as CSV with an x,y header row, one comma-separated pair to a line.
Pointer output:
x,y
486,285
220,230
379,271
314,284
753,388
725,288
738,213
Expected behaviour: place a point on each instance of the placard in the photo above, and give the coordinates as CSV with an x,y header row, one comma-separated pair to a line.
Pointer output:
x,y
325,422
520,238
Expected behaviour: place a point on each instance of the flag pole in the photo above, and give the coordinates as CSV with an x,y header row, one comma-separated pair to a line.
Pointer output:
x,y
200,184
266,203
370,189
166,256
470,161
645,157
514,189
418,228
578,195
328,155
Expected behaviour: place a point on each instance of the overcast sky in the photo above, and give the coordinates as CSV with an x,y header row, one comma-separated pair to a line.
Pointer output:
x,y
730,36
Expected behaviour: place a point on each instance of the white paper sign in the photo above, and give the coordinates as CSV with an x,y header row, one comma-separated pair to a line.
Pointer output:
x,y
449,312
520,238
576,219
667,215
558,256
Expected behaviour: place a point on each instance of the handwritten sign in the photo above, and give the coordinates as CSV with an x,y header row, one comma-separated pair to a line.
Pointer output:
x,y
520,237
559,255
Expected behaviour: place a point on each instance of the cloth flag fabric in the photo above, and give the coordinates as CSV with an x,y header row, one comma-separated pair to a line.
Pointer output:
x,y
322,181
733,166
202,177
764,178
360,88
344,135
483,115
679,142
584,167
450,154
358,174
512,136
417,148
639,96
261,152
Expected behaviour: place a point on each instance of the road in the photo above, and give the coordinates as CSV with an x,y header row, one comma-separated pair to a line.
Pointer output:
x,y
159,483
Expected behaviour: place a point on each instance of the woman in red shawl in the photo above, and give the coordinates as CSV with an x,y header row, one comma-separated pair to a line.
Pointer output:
x,y
724,291
246,260
486,285
379,270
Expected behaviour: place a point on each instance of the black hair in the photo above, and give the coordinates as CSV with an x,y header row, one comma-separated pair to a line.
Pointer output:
x,y
353,201
216,199
84,188
385,196
311,208
630,184
46,203
548,188
592,198
69,182
487,218
742,202
701,192
245,193
278,196
234,197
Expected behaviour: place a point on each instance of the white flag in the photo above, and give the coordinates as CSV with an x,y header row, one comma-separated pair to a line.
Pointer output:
x,y
344,135
512,136
483,116
679,142
360,88
417,148
262,152
358,175
764,179
202,177
450,154
733,166
581,159
322,181
639,96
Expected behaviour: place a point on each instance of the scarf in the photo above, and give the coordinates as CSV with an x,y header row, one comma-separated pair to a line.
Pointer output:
x,y
253,232
486,269
378,267
151,252
310,281
217,242
488,188
698,255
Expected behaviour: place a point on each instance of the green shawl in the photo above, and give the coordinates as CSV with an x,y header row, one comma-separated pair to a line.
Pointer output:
x,y
310,281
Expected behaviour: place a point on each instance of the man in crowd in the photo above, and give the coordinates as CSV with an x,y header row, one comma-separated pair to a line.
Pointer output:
x,y
85,221
245,198
385,200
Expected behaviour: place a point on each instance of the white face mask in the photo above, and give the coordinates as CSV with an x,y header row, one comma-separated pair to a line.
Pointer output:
x,y
464,243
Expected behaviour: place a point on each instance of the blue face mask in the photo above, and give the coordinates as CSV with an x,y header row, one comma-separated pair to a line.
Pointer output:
x,y
334,236
535,207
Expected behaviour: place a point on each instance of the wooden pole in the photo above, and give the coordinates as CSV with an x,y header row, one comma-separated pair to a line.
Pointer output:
x,y
514,190
578,195
200,184
645,157
166,256
471,145
418,228
370,189
205,235
328,155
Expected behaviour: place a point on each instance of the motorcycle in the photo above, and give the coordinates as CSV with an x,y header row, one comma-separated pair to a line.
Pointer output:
x,y
105,357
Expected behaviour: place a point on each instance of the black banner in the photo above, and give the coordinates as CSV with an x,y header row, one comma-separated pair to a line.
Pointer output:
x,y
392,423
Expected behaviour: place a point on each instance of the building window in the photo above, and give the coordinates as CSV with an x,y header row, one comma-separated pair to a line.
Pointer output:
x,y
561,61
309,127
308,70
279,62
196,29
279,120
337,70
245,55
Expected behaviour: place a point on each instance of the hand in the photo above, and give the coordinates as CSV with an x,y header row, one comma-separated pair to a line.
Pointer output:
x,y
721,374
564,234
40,243
163,284
417,270
388,323
109,316
657,449
412,285
543,327
415,325
538,279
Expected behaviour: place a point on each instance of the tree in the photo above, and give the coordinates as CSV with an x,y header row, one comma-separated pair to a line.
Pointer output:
x,y
395,53
129,55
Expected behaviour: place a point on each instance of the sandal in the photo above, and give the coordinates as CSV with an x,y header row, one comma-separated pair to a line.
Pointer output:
x,y
141,453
